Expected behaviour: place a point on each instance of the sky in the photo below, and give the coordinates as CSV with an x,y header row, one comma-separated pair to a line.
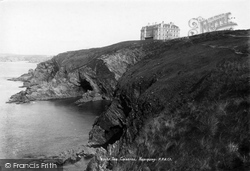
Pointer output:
x,y
49,27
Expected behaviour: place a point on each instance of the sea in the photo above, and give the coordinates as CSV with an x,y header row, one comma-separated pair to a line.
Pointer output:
x,y
40,128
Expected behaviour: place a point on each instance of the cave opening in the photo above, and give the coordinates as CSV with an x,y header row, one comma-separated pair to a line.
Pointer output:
x,y
85,85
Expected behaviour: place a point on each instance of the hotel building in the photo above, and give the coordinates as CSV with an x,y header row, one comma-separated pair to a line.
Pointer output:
x,y
160,31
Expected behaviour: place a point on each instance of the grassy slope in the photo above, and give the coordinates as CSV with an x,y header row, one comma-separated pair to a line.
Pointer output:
x,y
76,59
190,104
69,74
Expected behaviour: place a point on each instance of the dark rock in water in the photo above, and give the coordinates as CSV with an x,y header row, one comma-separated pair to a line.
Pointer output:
x,y
19,98
90,96
186,107
75,156
68,158
24,77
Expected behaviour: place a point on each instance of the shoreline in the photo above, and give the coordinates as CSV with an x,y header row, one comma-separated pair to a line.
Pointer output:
x,y
80,154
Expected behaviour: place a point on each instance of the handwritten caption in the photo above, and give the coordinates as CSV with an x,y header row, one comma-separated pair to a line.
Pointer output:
x,y
141,159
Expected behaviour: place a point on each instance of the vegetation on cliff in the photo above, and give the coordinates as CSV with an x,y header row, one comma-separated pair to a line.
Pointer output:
x,y
186,106
90,73
176,105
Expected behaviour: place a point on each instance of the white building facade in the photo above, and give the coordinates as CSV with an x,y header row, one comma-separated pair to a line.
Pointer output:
x,y
160,31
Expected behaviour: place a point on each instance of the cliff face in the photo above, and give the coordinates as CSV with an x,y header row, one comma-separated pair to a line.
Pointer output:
x,y
176,105
183,108
91,73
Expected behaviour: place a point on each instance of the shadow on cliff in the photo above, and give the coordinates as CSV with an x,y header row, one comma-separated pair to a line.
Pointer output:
x,y
91,73
187,107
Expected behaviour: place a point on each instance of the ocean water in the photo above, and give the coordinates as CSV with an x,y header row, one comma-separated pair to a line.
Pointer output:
x,y
42,127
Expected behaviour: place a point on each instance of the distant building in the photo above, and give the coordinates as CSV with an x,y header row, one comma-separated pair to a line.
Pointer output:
x,y
160,31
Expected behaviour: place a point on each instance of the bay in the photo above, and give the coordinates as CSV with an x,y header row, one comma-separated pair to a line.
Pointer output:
x,y
41,127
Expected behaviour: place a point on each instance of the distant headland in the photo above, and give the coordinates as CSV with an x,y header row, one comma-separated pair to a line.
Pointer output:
x,y
4,57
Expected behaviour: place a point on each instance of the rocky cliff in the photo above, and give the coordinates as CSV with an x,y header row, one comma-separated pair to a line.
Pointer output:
x,y
176,105
185,107
91,73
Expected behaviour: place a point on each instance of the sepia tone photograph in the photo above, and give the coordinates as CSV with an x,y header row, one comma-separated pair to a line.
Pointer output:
x,y
124,85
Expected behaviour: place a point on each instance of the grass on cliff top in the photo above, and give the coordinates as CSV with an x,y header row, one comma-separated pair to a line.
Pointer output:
x,y
75,59
192,105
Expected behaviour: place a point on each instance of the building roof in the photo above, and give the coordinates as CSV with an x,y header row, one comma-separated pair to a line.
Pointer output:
x,y
171,25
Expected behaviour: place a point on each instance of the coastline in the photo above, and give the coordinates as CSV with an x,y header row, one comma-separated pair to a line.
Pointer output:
x,y
170,92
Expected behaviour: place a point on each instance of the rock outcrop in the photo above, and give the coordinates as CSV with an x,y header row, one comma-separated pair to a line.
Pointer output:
x,y
91,74
181,104
183,108
73,159
24,77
